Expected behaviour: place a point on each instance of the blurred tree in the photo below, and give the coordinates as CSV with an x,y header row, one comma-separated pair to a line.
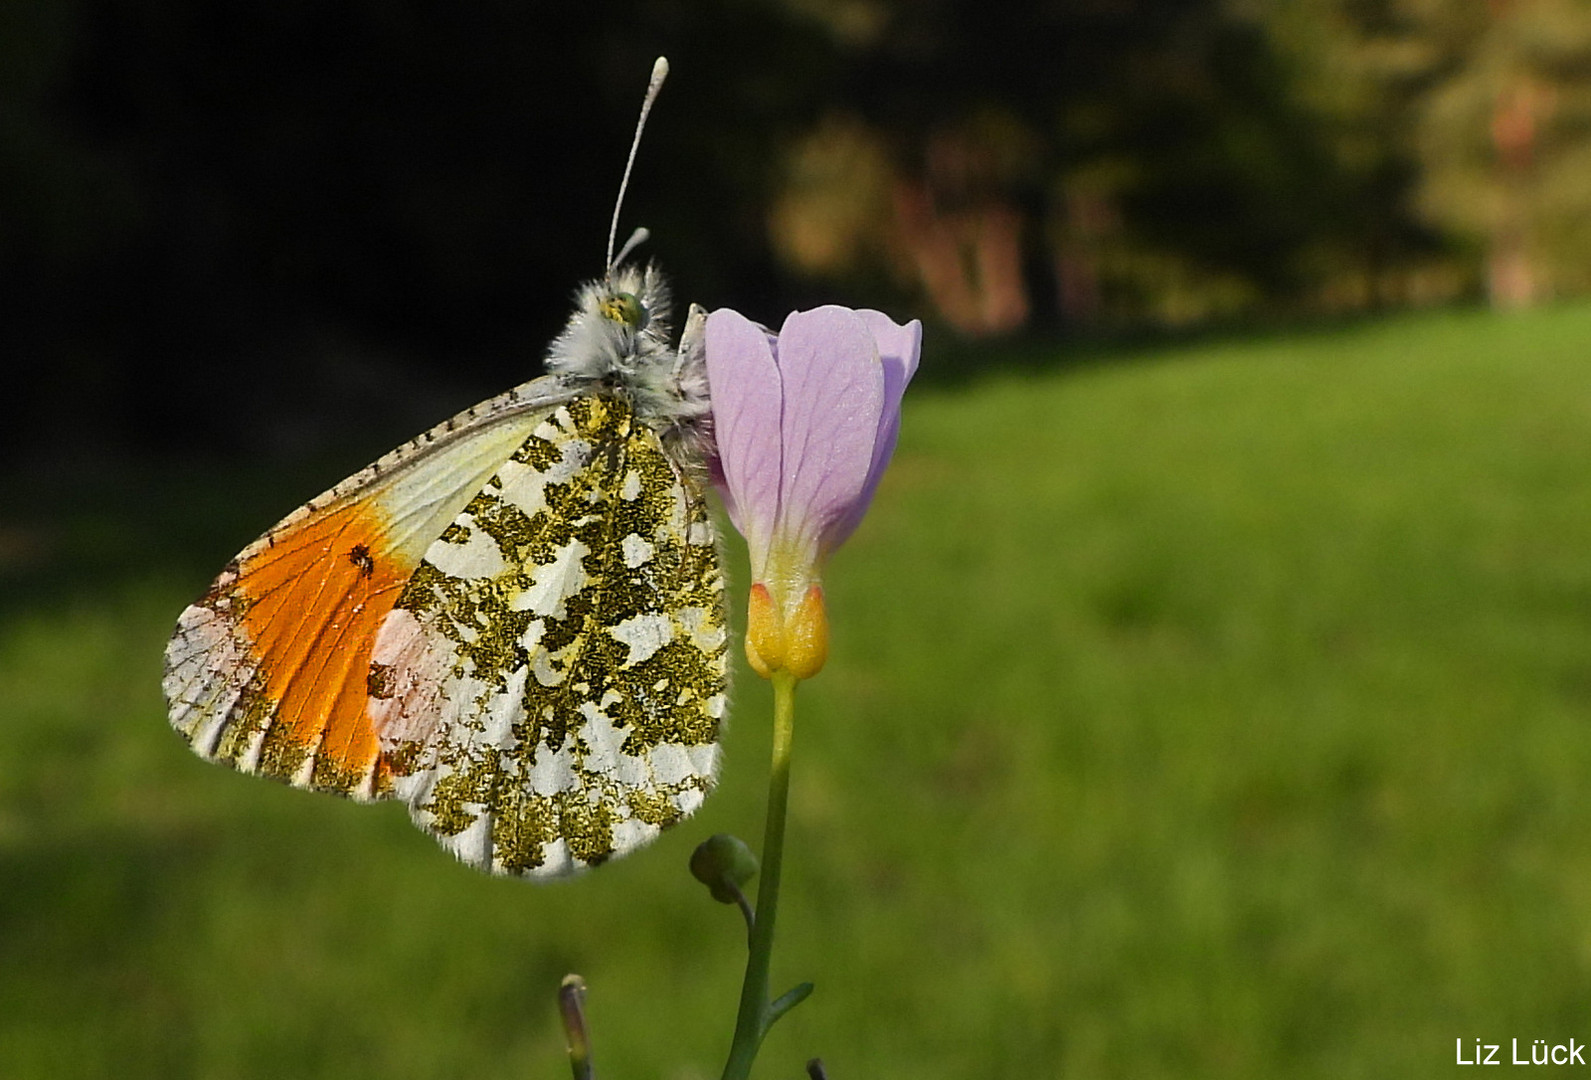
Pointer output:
x,y
1358,77
1491,104
1505,139
1105,161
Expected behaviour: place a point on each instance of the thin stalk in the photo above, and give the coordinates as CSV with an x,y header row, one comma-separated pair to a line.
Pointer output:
x,y
756,1015
572,1010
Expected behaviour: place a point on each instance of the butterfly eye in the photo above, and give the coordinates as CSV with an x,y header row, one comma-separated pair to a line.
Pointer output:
x,y
625,308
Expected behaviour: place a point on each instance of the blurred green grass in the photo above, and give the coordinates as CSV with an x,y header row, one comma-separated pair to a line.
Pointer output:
x,y
1211,711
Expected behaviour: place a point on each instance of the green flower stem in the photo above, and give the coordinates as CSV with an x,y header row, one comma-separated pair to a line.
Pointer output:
x,y
746,913
756,1014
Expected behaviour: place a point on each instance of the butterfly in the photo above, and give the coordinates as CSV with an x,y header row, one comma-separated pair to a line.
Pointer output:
x,y
514,623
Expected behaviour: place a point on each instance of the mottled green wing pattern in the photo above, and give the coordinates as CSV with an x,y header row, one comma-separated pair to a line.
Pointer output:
x,y
548,688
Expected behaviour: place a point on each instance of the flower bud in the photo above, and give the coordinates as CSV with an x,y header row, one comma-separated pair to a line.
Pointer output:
x,y
723,863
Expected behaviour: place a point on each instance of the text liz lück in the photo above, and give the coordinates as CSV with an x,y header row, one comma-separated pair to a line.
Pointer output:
x,y
1537,1052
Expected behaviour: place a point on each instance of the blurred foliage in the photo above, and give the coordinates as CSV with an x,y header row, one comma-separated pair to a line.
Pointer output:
x,y
1505,137
216,219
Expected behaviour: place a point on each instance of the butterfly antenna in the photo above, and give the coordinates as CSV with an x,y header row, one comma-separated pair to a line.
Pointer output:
x,y
659,73
637,238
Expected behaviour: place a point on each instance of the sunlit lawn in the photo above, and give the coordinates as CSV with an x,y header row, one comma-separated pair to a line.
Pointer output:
x,y
1214,711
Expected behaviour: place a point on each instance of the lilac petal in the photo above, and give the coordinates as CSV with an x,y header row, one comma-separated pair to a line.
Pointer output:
x,y
833,400
897,345
898,350
715,475
743,380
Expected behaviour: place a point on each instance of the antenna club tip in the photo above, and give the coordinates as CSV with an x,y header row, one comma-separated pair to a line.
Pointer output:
x,y
659,70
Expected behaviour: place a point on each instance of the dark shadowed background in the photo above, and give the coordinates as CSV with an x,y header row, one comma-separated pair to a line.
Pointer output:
x,y
226,229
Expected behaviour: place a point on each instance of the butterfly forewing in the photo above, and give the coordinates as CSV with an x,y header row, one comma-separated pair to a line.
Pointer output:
x,y
547,689
268,671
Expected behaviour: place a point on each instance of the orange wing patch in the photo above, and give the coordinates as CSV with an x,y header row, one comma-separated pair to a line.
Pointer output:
x,y
310,602
269,671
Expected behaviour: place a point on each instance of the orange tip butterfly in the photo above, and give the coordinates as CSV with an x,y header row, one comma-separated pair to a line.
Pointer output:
x,y
514,623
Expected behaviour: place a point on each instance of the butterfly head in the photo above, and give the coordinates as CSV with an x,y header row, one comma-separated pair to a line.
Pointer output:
x,y
625,309
619,327
617,342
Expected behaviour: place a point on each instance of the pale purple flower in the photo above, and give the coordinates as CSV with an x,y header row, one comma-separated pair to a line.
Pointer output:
x,y
805,422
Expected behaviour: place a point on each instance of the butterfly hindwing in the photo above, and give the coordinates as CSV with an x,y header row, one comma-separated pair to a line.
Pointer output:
x,y
268,671
548,687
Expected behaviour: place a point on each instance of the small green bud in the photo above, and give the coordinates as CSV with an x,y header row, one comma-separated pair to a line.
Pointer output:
x,y
723,863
